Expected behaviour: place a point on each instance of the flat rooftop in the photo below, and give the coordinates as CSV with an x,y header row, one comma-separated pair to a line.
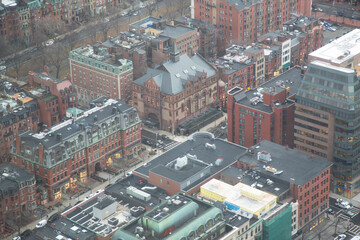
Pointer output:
x,y
289,80
249,199
146,22
209,155
118,191
83,215
339,51
288,165
62,229
264,183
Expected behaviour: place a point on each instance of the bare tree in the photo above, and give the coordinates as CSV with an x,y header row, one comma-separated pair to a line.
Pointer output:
x,y
16,46
56,54
182,6
50,27
4,47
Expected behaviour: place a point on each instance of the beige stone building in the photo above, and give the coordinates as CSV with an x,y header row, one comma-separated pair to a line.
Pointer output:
x,y
176,90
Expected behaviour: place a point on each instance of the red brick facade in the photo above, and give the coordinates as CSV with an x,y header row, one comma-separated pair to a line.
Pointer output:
x,y
247,21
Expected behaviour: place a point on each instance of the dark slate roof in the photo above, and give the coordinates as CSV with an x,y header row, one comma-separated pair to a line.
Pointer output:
x,y
50,140
14,173
195,146
165,75
291,78
297,167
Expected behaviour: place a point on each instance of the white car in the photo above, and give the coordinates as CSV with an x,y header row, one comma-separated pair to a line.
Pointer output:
x,y
2,68
340,237
124,14
49,43
343,204
41,224
332,29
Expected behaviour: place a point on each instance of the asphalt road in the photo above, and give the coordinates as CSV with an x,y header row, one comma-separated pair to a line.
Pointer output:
x,y
75,36
348,11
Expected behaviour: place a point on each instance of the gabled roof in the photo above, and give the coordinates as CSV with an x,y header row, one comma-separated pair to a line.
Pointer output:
x,y
172,76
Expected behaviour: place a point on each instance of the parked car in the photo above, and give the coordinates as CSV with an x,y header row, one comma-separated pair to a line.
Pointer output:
x,y
2,68
49,43
223,125
54,217
343,204
33,50
348,213
164,137
124,13
25,233
331,211
340,237
41,224
332,29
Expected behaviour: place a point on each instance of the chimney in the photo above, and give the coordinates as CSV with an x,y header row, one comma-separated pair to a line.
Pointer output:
x,y
95,118
31,78
41,153
18,144
114,110
175,54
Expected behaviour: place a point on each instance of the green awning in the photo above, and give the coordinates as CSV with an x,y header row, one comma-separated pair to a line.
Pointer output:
x,y
286,65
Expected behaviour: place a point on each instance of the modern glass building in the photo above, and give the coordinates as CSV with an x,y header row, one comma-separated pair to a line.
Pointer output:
x,y
327,122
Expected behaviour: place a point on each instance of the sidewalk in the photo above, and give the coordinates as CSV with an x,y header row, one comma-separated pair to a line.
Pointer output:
x,y
183,138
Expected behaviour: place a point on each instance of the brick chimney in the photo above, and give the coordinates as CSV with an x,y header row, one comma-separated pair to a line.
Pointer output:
x,y
18,144
31,78
41,153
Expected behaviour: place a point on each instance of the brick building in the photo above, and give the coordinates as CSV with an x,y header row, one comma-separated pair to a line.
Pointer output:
x,y
207,36
18,113
246,21
164,36
95,72
307,177
131,46
75,149
253,56
306,34
59,95
17,193
176,90
265,113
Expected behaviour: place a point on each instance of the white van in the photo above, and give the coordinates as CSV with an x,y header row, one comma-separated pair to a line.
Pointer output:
x,y
41,224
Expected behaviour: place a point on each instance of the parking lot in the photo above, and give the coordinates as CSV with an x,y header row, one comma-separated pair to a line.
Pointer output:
x,y
154,140
330,35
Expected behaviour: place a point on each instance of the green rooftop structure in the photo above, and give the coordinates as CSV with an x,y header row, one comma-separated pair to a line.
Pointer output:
x,y
180,217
